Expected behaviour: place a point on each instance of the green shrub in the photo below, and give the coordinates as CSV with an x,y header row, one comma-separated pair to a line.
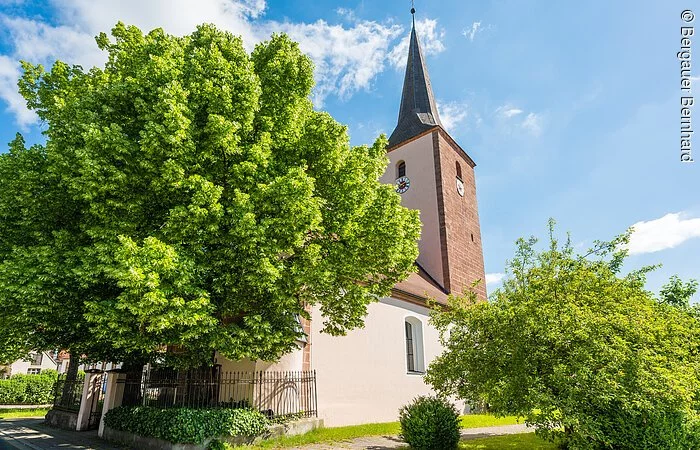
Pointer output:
x,y
184,425
430,423
216,444
693,432
28,389
12,392
632,429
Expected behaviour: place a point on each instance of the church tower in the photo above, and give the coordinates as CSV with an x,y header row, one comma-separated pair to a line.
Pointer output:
x,y
436,176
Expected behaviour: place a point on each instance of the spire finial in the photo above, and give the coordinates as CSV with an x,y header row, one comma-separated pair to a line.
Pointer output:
x,y
413,7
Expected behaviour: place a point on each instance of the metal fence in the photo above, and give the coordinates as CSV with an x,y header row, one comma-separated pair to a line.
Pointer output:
x,y
275,394
96,396
68,394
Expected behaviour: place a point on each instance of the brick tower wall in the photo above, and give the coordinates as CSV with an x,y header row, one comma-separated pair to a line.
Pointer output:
x,y
463,257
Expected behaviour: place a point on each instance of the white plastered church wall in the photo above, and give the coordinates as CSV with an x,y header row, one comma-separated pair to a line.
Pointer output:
x,y
363,377
292,361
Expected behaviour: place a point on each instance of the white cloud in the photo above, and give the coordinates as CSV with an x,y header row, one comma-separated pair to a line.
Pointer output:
x,y
9,73
78,21
508,111
494,278
347,57
430,36
451,114
346,13
470,33
39,42
667,232
533,124
175,16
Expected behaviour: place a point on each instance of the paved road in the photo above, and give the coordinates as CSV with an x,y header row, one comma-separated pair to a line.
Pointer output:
x,y
4,446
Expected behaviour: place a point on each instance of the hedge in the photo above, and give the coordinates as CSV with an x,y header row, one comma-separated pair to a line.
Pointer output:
x,y
28,389
185,425
632,428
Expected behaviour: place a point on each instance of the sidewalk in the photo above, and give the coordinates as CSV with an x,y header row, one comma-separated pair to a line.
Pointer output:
x,y
32,434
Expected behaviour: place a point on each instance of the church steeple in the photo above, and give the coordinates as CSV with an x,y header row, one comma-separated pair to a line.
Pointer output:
x,y
418,111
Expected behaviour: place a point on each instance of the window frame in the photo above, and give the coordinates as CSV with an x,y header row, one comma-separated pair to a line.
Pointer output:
x,y
414,346
410,348
37,359
400,169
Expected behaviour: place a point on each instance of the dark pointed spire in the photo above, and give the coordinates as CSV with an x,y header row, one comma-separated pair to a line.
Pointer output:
x,y
418,110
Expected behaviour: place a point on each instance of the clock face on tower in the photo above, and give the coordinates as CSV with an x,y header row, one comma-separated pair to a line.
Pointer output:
x,y
460,187
402,184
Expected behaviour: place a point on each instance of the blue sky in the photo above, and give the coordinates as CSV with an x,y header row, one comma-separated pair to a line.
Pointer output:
x,y
571,110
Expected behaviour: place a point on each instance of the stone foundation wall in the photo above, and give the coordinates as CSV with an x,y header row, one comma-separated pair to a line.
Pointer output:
x,y
65,420
148,443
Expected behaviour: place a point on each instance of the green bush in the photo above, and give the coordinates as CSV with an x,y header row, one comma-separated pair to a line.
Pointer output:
x,y
184,425
430,423
28,389
216,444
632,429
12,392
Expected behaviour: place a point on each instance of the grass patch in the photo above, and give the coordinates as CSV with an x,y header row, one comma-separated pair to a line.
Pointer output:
x,y
325,435
333,435
22,413
486,420
526,441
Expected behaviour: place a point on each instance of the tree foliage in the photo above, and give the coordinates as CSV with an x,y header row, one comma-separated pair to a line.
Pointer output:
x,y
677,293
583,353
188,195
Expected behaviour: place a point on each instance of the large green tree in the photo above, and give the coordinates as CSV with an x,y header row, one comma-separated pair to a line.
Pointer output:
x,y
37,252
189,196
583,353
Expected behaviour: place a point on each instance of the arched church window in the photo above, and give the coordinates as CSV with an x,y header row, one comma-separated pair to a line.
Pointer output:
x,y
415,361
401,169
459,170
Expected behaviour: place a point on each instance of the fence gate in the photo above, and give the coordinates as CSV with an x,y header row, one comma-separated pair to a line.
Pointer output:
x,y
98,386
67,394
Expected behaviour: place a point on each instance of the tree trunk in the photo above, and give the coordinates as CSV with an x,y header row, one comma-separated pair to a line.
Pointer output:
x,y
72,371
568,431
69,386
133,392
